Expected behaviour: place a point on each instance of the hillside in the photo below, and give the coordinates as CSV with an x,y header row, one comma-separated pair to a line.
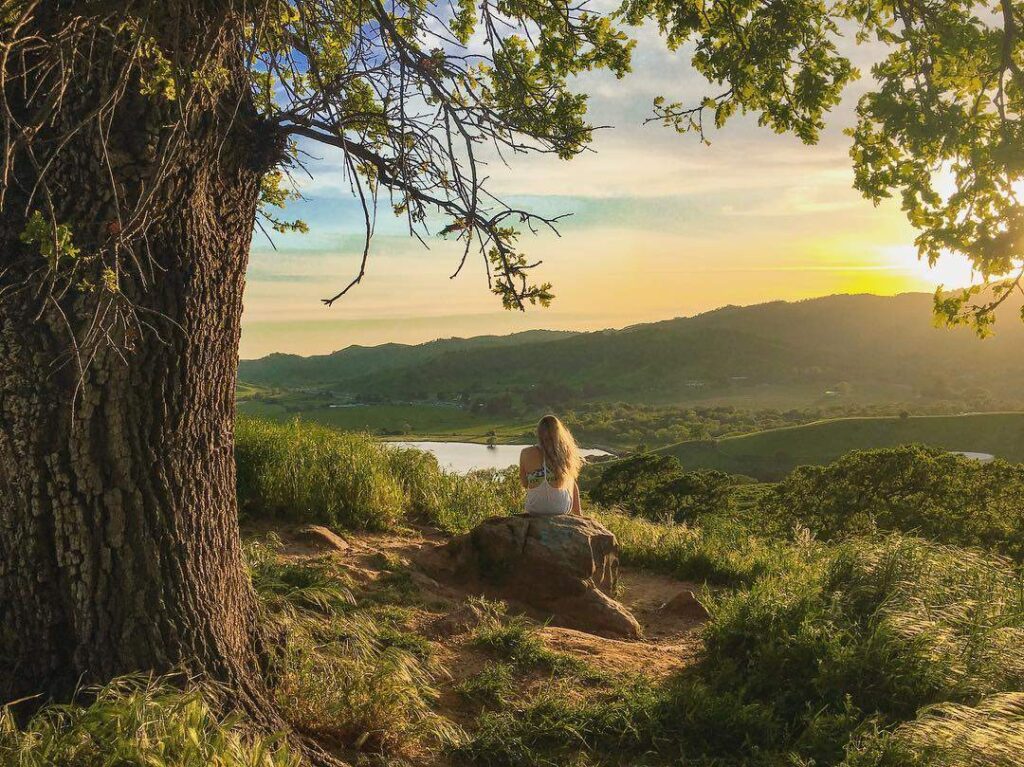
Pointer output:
x,y
875,349
359,362
769,455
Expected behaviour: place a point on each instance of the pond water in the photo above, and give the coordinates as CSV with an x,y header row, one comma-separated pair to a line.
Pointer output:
x,y
982,457
468,456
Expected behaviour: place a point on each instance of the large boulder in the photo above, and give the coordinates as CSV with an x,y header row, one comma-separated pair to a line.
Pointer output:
x,y
566,566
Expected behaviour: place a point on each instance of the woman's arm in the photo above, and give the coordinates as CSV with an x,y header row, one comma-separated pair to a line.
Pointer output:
x,y
522,467
576,508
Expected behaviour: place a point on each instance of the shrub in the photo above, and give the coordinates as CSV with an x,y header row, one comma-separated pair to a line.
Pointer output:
x,y
138,721
656,487
941,496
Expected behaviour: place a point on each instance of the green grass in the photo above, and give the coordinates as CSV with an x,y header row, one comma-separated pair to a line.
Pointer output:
x,y
718,551
346,671
310,585
138,721
832,662
514,639
868,651
769,455
302,472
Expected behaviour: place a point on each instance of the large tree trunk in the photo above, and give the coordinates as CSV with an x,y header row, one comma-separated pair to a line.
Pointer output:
x,y
119,540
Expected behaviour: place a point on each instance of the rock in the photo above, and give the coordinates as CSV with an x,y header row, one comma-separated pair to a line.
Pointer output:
x,y
566,566
458,621
597,613
319,537
686,605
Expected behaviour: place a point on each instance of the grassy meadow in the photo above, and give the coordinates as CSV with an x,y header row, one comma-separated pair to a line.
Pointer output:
x,y
880,644
771,454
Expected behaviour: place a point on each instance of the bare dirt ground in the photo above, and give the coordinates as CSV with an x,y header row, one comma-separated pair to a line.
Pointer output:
x,y
670,641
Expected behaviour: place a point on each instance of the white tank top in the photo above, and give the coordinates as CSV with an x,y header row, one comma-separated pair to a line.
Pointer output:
x,y
544,499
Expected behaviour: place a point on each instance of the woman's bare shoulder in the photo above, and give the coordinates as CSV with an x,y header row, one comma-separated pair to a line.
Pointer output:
x,y
529,452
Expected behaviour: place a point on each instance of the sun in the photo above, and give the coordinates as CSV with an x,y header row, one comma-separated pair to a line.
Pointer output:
x,y
950,271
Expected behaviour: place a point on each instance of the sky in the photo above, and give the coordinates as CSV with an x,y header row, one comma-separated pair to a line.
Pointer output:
x,y
661,226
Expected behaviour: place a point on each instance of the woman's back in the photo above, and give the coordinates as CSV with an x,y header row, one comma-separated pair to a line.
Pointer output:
x,y
547,494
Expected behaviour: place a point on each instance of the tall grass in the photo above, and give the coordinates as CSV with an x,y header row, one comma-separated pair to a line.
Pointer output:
x,y
342,682
829,660
289,586
990,734
303,472
340,674
865,637
453,502
308,473
720,550
137,721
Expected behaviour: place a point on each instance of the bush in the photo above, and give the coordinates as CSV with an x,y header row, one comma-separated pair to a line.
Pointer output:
x,y
914,489
138,721
656,487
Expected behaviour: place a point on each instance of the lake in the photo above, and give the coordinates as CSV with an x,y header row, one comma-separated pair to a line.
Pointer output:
x,y
468,456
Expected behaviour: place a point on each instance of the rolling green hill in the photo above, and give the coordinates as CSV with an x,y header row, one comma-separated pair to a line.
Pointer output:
x,y
873,349
359,363
769,455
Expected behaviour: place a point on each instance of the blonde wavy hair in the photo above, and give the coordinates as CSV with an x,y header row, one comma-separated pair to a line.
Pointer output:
x,y
561,453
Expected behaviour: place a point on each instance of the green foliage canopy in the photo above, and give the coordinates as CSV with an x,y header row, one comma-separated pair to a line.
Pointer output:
x,y
941,129
415,92
420,95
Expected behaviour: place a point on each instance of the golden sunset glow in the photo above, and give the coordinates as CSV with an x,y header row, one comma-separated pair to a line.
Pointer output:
x,y
660,226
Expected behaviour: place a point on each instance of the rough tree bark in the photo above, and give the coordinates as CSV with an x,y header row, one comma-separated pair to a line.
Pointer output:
x,y
119,540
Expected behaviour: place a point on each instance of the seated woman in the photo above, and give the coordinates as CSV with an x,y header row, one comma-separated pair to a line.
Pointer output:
x,y
549,469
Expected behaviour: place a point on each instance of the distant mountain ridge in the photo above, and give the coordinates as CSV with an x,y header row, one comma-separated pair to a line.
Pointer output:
x,y
357,361
855,339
